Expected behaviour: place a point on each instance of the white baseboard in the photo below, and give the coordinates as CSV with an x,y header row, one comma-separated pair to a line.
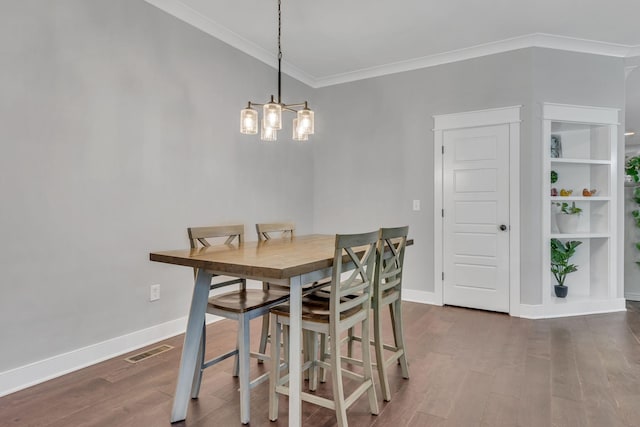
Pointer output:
x,y
423,297
633,296
43,370
531,311
572,307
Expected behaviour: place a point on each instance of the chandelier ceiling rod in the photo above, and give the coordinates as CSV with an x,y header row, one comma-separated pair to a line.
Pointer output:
x,y
303,124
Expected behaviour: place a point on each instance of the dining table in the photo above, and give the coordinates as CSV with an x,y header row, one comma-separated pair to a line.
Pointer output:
x,y
291,262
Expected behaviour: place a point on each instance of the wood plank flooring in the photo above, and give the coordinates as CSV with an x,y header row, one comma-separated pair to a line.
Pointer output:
x,y
468,368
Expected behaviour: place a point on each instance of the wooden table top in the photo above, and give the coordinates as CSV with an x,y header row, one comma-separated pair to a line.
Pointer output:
x,y
273,259
277,259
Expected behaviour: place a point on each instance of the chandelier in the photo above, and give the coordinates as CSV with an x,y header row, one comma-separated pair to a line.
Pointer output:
x,y
271,121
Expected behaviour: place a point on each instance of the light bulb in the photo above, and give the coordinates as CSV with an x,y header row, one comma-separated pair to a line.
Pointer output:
x,y
272,115
305,121
248,121
298,135
268,134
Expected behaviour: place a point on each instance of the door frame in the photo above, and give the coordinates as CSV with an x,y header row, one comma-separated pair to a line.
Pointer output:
x,y
470,119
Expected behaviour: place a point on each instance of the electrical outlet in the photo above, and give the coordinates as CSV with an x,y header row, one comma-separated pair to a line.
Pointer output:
x,y
416,205
154,292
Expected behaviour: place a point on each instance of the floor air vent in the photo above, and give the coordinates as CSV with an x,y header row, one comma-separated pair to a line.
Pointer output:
x,y
149,353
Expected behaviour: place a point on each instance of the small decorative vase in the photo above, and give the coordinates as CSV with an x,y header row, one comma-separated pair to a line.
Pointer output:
x,y
567,223
561,291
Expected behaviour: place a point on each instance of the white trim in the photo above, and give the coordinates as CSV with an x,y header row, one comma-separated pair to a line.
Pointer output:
x,y
532,311
203,23
580,114
633,52
191,16
628,70
633,296
542,40
569,308
34,373
494,116
423,297
514,216
438,206
470,119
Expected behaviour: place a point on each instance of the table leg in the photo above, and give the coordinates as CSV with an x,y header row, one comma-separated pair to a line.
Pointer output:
x,y
295,365
192,338
243,350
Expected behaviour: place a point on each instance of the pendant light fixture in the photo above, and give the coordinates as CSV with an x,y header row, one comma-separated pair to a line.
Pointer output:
x,y
271,123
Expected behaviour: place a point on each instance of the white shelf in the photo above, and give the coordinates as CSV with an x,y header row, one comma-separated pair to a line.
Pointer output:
x,y
579,199
581,161
586,140
579,235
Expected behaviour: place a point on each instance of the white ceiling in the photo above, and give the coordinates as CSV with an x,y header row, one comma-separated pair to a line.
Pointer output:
x,y
330,41
326,42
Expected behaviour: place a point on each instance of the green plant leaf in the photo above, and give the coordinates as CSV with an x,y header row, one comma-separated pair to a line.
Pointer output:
x,y
560,255
632,168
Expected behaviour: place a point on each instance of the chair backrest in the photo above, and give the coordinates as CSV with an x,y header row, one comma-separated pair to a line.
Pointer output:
x,y
390,261
266,231
355,254
206,236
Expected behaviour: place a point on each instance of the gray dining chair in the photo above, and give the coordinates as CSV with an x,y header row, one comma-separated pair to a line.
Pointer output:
x,y
242,305
347,306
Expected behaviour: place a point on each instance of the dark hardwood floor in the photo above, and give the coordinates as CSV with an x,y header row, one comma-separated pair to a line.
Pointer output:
x,y
468,368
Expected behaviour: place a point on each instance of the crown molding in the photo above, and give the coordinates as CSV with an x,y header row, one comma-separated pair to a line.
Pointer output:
x,y
527,41
633,51
192,17
183,12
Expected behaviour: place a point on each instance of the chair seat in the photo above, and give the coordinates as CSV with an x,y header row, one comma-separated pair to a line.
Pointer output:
x,y
315,308
243,301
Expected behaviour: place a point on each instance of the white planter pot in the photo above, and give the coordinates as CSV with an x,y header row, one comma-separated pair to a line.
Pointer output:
x,y
567,223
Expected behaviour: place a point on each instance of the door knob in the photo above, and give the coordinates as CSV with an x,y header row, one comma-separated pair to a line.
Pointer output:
x,y
503,227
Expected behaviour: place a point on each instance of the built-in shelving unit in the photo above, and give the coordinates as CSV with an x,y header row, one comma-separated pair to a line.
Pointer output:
x,y
580,145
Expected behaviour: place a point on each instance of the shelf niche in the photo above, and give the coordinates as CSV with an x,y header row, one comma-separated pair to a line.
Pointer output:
x,y
580,145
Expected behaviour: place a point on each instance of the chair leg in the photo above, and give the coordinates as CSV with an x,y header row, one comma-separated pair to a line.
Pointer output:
x,y
264,335
392,315
368,369
244,353
399,334
274,376
380,359
313,357
350,342
236,358
323,352
336,376
197,373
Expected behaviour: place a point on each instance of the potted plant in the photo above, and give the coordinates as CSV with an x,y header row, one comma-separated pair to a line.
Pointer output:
x,y
568,217
561,253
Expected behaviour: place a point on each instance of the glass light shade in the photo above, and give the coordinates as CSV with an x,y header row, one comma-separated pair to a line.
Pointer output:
x,y
297,135
305,121
272,116
268,134
249,121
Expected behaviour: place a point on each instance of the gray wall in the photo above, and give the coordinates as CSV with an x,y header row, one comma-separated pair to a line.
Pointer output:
x,y
376,154
386,123
119,128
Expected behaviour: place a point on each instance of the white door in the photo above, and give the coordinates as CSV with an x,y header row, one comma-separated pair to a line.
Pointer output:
x,y
476,215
